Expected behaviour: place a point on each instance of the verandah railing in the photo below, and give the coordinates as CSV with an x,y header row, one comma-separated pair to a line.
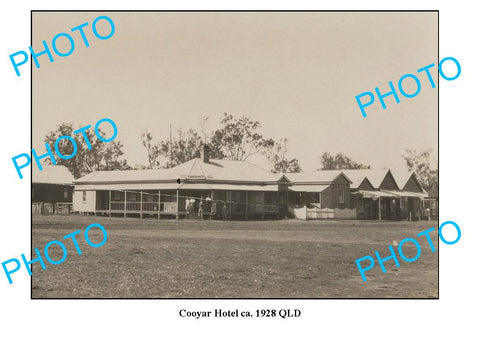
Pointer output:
x,y
172,207
145,206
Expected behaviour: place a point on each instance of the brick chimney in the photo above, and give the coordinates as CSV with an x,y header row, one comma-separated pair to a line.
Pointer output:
x,y
205,153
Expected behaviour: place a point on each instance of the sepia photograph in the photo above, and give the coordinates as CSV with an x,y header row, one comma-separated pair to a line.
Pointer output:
x,y
234,154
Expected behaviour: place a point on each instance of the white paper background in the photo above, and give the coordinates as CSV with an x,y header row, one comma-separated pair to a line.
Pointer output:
x,y
454,315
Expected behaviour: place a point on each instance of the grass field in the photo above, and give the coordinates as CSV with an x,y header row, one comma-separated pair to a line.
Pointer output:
x,y
256,259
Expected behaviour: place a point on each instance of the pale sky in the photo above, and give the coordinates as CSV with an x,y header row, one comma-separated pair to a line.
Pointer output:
x,y
296,73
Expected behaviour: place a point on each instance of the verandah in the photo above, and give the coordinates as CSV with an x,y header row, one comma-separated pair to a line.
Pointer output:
x,y
212,203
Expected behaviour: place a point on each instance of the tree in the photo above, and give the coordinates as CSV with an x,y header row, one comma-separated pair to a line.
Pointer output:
x,y
276,154
419,162
182,148
340,161
238,138
153,150
177,150
102,156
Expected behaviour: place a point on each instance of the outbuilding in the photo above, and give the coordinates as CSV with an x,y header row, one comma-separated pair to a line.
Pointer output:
x,y
52,190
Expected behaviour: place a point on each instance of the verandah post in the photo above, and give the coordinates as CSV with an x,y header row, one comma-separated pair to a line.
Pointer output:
x,y
211,204
177,215
288,202
379,208
159,199
141,204
277,208
109,203
124,204
246,205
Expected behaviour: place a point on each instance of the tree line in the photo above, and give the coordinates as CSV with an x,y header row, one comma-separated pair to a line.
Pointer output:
x,y
237,138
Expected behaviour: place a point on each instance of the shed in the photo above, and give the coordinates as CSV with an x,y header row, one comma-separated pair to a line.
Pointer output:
x,y
52,190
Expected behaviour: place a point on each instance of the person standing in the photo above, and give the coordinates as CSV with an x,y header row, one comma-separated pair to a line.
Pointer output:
x,y
208,207
224,210
393,209
200,208
187,207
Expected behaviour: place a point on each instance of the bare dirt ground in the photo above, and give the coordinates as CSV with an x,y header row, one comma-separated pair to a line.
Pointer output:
x,y
247,259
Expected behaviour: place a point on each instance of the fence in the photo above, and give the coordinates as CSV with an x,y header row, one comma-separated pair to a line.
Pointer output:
x,y
305,213
37,208
41,208
143,206
316,213
63,208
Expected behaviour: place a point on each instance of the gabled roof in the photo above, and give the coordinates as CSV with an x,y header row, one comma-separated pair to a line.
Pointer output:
x,y
404,177
317,176
357,177
283,178
52,174
375,176
195,169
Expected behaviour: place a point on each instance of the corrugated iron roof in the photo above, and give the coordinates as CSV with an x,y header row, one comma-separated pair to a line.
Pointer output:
x,y
375,194
308,188
173,186
127,186
321,176
357,177
52,174
221,170
240,172
375,176
127,176
406,193
402,178
233,187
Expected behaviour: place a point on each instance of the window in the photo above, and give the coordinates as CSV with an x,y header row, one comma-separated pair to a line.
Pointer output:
x,y
341,196
65,193
84,196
